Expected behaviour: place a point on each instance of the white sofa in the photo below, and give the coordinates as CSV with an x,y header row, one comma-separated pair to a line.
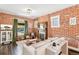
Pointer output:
x,y
38,48
28,50
35,49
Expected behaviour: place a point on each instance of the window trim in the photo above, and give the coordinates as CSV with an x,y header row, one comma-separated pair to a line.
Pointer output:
x,y
58,18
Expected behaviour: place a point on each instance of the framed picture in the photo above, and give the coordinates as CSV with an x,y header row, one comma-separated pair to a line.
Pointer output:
x,y
72,21
20,30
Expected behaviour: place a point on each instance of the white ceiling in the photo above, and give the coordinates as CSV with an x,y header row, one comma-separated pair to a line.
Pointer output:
x,y
37,9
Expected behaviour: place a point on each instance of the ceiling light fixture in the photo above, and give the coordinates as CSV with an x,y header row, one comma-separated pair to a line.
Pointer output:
x,y
28,11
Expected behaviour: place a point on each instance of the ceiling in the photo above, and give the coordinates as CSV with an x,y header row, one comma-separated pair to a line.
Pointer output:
x,y
37,9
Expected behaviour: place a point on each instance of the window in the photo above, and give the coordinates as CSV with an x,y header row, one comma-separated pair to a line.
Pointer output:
x,y
72,21
55,21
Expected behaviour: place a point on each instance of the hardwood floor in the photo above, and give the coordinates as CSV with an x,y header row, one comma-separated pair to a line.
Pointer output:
x,y
5,49
9,49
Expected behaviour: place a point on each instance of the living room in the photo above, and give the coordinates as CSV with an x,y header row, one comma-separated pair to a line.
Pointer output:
x,y
38,29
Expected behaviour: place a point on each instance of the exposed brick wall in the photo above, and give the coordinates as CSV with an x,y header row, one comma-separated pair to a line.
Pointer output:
x,y
8,19
65,29
44,19
30,24
65,15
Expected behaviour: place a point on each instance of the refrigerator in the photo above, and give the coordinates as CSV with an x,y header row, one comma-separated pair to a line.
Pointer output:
x,y
42,32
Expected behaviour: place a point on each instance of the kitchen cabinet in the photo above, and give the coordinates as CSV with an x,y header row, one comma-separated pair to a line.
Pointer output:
x,y
6,36
5,33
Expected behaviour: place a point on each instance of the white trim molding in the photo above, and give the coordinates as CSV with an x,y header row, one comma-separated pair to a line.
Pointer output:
x,y
55,21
